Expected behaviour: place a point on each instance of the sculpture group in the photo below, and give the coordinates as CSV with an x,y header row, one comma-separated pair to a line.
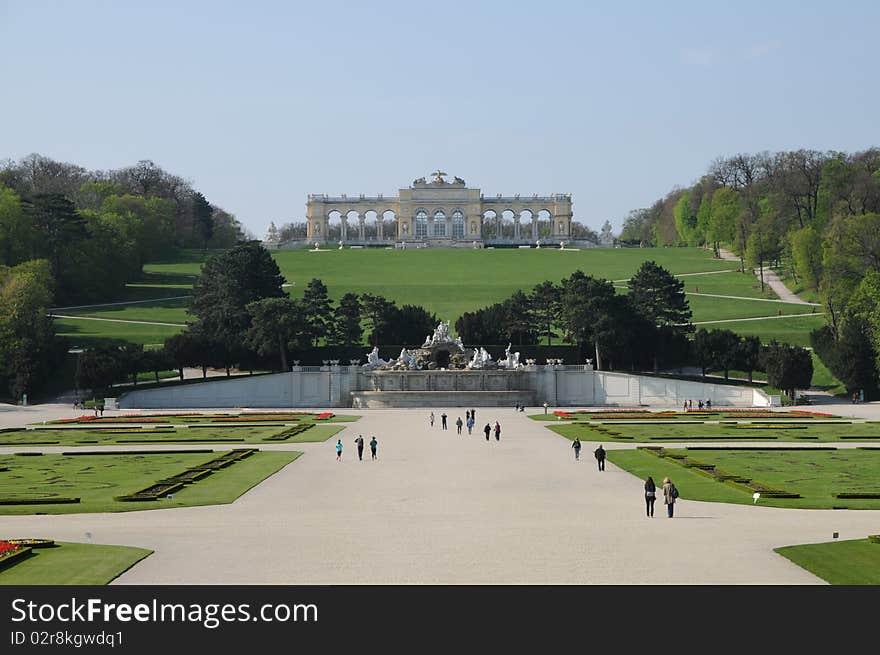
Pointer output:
x,y
441,347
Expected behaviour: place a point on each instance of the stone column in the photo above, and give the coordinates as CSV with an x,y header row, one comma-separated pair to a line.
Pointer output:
x,y
516,227
344,228
361,227
380,232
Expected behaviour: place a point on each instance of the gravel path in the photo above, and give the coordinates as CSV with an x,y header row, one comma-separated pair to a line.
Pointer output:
x,y
771,279
441,508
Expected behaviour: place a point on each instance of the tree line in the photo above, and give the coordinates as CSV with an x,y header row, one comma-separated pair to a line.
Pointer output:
x,y
71,236
816,215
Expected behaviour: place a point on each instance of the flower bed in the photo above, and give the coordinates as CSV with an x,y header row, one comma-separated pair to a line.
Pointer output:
x,y
809,413
12,552
767,426
33,543
324,416
562,414
38,501
288,433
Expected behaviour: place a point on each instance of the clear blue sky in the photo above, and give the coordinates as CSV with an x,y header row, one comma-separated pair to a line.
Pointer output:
x,y
261,103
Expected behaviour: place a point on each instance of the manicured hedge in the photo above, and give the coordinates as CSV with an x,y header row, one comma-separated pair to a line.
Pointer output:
x,y
136,452
858,494
38,501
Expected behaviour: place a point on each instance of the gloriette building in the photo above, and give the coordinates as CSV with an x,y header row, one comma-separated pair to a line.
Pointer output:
x,y
441,213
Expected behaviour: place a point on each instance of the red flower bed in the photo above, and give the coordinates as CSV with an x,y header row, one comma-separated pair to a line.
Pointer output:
x,y
808,413
324,415
561,414
6,548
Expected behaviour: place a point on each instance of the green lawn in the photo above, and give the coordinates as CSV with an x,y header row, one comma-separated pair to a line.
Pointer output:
x,y
449,282
98,479
72,564
85,333
855,562
814,474
659,432
90,436
789,329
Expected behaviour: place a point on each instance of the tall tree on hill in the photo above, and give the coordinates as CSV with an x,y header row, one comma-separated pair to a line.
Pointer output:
x,y
317,310
276,325
203,219
411,323
347,329
229,281
749,355
482,327
379,313
657,296
584,300
544,301
59,230
788,367
518,319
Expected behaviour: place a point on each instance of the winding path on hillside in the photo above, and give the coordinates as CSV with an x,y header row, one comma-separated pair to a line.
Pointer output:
x,y
771,279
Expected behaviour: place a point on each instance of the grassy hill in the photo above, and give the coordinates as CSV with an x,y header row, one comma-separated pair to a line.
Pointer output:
x,y
450,282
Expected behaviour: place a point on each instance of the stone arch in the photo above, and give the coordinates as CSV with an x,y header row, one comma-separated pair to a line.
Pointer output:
x,y
389,224
490,223
334,225
506,224
528,225
371,224
545,223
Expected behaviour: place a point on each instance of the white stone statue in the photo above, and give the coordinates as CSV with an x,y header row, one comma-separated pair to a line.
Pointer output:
x,y
441,335
481,359
373,359
511,360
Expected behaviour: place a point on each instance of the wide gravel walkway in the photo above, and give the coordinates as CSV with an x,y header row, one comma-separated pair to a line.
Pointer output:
x,y
441,508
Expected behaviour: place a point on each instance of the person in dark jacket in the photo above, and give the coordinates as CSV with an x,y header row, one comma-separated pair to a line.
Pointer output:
x,y
670,493
576,444
650,496
497,431
600,457
360,446
487,430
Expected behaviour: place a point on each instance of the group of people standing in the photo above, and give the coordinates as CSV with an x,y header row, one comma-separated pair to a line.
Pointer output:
x,y
670,492
374,444
689,404
469,421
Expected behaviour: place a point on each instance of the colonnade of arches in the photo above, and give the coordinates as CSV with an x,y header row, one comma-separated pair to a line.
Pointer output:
x,y
438,223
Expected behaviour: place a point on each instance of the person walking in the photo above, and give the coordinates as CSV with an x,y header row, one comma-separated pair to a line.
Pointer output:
x,y
470,424
670,493
497,431
650,495
487,430
373,444
708,403
600,457
474,415
467,415
431,419
339,450
458,424
576,444
360,444
443,420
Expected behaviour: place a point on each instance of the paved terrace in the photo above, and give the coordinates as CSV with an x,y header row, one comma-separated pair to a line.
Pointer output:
x,y
439,508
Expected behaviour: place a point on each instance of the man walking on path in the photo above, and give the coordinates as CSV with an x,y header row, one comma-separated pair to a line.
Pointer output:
x,y
339,450
474,415
443,420
360,444
576,444
600,457
431,419
497,431
470,424
373,444
487,430
458,424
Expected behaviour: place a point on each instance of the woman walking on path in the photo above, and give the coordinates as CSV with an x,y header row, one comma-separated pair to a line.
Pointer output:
x,y
373,444
670,493
497,431
650,495
431,419
487,430
339,450
470,424
576,444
